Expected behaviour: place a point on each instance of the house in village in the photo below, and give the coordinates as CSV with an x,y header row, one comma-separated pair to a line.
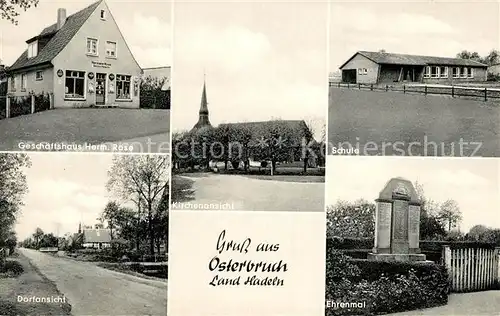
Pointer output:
x,y
386,68
82,59
297,132
94,237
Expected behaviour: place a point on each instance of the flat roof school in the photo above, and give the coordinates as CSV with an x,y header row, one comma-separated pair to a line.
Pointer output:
x,y
83,60
379,67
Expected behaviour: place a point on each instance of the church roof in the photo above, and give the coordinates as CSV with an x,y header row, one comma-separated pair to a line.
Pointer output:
x,y
293,132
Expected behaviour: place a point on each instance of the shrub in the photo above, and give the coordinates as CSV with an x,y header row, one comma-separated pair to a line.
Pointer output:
x,y
12,267
42,102
350,243
20,106
385,287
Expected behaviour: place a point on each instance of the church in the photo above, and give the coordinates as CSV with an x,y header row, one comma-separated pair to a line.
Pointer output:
x,y
293,132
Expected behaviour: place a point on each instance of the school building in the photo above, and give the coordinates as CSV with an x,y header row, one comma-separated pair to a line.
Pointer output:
x,y
384,68
82,59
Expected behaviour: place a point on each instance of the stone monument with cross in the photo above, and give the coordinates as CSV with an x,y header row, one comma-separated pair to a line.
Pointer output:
x,y
397,223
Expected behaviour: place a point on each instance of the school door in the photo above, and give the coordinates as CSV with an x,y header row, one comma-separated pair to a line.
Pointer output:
x,y
100,89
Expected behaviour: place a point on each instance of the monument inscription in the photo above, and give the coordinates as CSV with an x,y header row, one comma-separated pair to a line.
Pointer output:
x,y
414,225
384,225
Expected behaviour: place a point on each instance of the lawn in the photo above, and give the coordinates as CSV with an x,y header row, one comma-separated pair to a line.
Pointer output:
x,y
249,193
392,123
28,284
93,126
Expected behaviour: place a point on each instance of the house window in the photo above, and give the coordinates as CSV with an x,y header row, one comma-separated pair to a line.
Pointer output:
x,y
365,71
434,72
13,83
463,72
39,75
456,72
360,71
443,72
110,49
75,83
92,45
33,49
23,82
470,73
122,87
103,15
427,72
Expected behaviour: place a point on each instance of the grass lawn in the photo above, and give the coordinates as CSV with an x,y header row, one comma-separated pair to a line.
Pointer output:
x,y
28,284
285,178
83,125
387,123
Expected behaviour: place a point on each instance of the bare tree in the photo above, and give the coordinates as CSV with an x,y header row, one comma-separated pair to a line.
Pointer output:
x,y
141,179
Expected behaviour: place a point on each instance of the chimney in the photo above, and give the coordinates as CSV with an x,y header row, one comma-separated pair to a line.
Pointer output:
x,y
61,18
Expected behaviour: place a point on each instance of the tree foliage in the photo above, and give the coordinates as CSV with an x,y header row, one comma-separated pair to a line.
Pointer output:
x,y
13,187
353,220
492,58
9,9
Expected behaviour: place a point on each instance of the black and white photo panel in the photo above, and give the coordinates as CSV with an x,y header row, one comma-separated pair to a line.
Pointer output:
x,y
88,75
252,132
412,236
83,234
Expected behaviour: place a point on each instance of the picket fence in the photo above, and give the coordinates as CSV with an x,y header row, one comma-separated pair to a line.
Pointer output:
x,y
472,269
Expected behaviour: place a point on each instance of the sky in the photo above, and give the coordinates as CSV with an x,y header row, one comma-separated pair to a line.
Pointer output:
x,y
146,28
434,28
474,183
263,60
64,189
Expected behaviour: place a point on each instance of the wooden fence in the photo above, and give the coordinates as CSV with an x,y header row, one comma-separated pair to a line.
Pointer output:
x,y
479,93
12,106
472,269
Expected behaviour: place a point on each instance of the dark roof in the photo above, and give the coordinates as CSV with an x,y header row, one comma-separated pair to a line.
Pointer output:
x,y
292,131
59,39
96,235
415,60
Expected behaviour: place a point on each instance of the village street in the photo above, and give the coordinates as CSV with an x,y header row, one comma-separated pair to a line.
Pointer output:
x,y
92,290
253,194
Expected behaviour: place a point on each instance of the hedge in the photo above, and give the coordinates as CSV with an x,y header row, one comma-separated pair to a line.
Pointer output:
x,y
385,287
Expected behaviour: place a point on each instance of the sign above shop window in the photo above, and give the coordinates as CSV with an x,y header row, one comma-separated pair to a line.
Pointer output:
x,y
60,73
111,77
100,64
91,75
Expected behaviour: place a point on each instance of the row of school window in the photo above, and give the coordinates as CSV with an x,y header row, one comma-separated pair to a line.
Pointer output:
x,y
438,72
442,72
75,84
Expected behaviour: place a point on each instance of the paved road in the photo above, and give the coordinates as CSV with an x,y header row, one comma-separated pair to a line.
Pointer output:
x,y
485,303
250,194
92,290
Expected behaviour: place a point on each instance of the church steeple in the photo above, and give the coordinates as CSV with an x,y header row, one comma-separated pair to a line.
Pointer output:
x,y
203,113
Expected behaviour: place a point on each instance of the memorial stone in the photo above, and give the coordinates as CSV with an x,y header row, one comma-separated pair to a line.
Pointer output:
x,y
397,223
